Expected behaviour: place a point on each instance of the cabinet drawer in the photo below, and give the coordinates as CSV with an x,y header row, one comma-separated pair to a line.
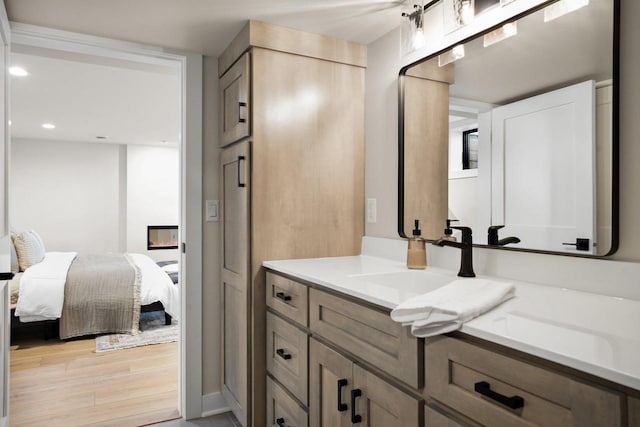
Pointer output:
x,y
287,356
433,418
282,410
634,412
368,333
288,298
481,384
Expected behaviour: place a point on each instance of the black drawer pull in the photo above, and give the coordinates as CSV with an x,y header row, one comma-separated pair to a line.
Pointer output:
x,y
355,418
341,406
484,388
281,353
280,422
283,297
241,160
242,109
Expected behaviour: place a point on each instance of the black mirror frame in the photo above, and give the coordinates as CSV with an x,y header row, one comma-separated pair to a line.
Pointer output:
x,y
615,135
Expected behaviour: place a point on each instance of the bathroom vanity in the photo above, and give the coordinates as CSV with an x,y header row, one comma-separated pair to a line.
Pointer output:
x,y
549,356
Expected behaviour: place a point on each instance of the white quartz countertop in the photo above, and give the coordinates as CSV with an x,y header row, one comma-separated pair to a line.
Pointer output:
x,y
593,333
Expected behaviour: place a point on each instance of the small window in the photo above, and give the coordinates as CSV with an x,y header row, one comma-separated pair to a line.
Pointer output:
x,y
470,149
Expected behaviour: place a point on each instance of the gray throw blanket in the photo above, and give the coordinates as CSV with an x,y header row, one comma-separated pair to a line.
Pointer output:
x,y
101,295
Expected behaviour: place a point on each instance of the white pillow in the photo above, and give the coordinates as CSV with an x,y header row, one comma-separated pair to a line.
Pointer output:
x,y
30,249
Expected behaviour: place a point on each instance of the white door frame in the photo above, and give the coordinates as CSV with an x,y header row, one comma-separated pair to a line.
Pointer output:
x,y
5,39
190,65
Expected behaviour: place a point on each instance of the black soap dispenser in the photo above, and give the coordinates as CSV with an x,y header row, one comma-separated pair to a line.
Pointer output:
x,y
448,232
417,252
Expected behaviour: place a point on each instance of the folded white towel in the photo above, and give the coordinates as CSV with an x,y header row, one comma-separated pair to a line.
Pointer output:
x,y
447,308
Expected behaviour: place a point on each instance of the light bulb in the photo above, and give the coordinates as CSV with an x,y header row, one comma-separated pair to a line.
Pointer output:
x,y
467,12
418,39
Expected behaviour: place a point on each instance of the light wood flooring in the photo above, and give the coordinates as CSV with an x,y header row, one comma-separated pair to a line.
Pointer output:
x,y
56,383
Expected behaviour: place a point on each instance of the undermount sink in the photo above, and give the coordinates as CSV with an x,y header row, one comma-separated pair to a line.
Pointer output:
x,y
405,284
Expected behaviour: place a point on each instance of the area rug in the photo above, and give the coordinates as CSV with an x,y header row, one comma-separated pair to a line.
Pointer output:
x,y
153,331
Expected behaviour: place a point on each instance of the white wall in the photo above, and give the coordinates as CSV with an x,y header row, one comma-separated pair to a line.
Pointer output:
x,y
68,193
381,166
92,197
152,196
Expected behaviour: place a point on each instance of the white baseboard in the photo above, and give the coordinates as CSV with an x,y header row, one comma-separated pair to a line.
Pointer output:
x,y
214,404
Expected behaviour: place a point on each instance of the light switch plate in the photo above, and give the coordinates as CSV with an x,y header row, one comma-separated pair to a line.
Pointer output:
x,y
213,210
371,210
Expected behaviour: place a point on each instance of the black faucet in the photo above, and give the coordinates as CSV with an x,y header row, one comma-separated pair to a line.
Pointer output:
x,y
493,240
466,247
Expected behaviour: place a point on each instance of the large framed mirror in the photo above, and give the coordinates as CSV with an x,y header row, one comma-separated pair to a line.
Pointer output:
x,y
514,132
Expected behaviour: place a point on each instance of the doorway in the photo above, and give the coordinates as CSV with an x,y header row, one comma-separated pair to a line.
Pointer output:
x,y
28,38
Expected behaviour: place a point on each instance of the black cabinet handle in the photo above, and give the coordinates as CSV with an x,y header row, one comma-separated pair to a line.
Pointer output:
x,y
241,160
280,422
341,406
355,418
242,108
281,353
484,388
283,296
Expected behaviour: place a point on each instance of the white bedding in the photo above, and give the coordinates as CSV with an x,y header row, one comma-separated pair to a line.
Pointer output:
x,y
42,287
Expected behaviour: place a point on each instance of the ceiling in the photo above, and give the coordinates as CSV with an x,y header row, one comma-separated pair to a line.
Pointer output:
x,y
86,97
207,26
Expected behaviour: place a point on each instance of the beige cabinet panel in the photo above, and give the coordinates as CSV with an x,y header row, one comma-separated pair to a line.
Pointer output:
x,y
380,404
497,390
330,379
235,116
426,150
368,333
235,278
282,410
287,356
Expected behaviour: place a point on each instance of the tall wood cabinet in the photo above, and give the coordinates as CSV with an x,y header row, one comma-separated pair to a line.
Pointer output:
x,y
292,132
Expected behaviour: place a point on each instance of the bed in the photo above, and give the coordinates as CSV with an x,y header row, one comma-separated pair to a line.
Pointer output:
x,y
73,295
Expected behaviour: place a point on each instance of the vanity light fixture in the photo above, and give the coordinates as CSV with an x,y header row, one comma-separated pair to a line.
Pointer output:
x,y
412,30
509,29
48,126
563,7
450,56
18,71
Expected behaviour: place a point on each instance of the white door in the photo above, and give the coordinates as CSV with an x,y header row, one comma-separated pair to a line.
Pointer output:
x,y
5,256
543,168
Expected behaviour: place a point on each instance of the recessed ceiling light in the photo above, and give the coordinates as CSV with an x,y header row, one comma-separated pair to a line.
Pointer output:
x,y
18,71
101,137
164,141
48,126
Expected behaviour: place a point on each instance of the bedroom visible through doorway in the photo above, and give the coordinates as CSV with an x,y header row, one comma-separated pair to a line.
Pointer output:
x,y
95,167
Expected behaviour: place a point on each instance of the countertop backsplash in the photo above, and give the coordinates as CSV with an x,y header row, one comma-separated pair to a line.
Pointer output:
x,y
600,276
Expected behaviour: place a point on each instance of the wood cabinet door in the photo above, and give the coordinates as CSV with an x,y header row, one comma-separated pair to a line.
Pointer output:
x,y
235,117
330,380
235,295
379,404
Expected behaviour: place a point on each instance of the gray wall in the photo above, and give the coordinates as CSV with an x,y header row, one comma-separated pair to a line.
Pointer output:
x,y
381,134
